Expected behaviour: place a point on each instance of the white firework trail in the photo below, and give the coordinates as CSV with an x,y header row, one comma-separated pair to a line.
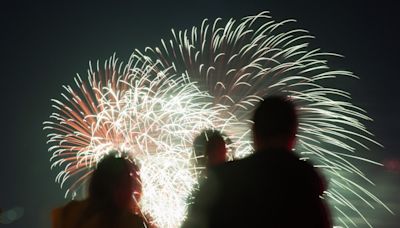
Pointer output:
x,y
210,77
238,63
136,109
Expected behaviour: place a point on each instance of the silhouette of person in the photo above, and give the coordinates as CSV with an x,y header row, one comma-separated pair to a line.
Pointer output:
x,y
114,190
210,146
271,187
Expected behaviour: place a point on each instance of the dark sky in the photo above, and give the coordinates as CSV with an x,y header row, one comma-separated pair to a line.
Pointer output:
x,y
44,44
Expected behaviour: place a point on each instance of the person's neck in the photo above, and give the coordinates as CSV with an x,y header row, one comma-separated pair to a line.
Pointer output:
x,y
273,144
283,148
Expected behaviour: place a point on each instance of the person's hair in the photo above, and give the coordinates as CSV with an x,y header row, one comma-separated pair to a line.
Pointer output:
x,y
207,140
112,174
275,117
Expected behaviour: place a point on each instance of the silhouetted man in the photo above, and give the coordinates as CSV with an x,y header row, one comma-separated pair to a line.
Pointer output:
x,y
271,188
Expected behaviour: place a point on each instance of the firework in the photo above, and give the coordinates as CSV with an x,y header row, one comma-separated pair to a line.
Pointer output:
x,y
133,108
153,106
240,62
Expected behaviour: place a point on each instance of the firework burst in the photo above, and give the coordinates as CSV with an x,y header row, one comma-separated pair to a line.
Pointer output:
x,y
209,77
240,62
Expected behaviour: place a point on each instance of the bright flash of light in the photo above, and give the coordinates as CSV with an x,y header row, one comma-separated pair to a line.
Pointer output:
x,y
238,63
135,109
210,77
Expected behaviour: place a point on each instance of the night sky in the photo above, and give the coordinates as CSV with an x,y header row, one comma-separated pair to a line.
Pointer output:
x,y
43,46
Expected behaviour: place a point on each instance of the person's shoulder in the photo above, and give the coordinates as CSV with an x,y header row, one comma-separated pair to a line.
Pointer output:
x,y
313,175
229,166
132,220
76,204
217,170
289,158
69,205
290,162
72,208
236,169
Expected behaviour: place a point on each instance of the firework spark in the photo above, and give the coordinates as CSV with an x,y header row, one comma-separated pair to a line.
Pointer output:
x,y
141,111
240,62
209,77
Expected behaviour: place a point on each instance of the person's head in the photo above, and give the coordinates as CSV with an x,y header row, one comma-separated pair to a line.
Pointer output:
x,y
115,182
211,144
275,123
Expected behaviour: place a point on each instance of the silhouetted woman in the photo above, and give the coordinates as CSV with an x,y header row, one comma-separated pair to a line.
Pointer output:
x,y
114,190
210,147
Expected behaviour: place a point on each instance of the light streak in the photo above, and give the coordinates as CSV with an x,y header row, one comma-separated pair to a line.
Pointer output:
x,y
210,77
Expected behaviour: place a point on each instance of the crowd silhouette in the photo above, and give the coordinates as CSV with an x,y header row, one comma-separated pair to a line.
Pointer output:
x,y
270,188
